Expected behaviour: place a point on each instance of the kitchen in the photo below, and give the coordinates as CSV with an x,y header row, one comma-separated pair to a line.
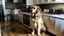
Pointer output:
x,y
53,12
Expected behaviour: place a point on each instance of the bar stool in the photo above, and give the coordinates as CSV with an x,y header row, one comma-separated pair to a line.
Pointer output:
x,y
8,19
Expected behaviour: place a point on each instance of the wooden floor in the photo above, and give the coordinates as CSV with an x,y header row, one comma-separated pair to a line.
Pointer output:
x,y
15,28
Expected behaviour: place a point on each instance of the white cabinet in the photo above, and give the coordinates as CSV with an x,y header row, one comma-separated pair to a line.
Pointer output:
x,y
59,25
39,1
59,0
20,17
43,1
49,1
30,2
15,1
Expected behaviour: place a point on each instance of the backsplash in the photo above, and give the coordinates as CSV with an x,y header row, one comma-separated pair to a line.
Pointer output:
x,y
50,6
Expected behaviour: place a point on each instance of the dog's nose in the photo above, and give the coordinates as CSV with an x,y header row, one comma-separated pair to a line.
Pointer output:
x,y
32,14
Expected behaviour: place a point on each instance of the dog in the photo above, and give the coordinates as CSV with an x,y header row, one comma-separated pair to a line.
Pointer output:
x,y
37,20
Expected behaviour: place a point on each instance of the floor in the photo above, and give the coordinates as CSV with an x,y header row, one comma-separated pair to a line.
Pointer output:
x,y
14,28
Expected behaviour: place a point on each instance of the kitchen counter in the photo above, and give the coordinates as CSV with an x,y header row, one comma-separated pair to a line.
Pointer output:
x,y
24,13
58,16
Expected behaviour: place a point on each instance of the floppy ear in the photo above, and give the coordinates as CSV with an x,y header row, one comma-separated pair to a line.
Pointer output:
x,y
38,8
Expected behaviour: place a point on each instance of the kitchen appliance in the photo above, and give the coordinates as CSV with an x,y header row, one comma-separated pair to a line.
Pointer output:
x,y
1,11
26,19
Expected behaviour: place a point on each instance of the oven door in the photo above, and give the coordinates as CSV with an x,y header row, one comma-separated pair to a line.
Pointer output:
x,y
26,19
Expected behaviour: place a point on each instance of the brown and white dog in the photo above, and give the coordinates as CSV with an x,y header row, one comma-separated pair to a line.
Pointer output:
x,y
37,19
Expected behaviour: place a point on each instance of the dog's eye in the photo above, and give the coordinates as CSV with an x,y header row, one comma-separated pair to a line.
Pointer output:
x,y
33,8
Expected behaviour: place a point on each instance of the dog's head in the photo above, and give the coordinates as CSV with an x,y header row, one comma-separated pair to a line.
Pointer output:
x,y
35,10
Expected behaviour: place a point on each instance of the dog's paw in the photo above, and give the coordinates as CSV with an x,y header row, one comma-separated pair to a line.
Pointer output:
x,y
32,33
44,29
29,35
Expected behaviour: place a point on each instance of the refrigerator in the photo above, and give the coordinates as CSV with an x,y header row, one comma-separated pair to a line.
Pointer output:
x,y
1,11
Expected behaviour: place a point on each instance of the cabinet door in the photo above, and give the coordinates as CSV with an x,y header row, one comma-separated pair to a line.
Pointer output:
x,y
57,24
39,1
20,18
61,25
29,2
59,0
15,1
34,2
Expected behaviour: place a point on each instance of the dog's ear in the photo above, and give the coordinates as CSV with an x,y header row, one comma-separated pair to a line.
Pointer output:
x,y
38,8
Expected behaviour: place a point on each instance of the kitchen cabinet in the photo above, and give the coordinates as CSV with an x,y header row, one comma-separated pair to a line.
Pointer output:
x,y
15,17
15,1
59,24
39,1
49,1
20,16
59,0
19,1
9,1
31,2
15,13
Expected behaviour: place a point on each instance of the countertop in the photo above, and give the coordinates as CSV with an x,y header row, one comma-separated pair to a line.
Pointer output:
x,y
58,16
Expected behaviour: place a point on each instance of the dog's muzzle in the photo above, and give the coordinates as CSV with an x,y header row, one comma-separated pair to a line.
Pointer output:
x,y
33,15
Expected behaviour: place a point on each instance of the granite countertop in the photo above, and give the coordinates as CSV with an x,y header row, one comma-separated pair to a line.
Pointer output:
x,y
58,16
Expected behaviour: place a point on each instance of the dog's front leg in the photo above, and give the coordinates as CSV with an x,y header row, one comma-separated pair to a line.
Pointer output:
x,y
39,29
33,32
38,32
35,26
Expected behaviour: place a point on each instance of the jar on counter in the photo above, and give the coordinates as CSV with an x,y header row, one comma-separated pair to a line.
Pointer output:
x,y
46,10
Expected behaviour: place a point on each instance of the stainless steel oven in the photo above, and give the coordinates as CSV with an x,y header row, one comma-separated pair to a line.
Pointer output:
x,y
26,19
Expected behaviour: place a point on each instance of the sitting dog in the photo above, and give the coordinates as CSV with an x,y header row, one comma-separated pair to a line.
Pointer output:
x,y
37,20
